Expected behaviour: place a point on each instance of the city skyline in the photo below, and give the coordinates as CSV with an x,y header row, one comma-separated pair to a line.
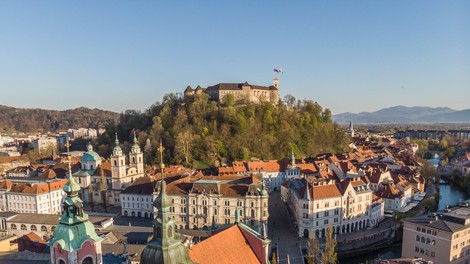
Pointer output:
x,y
348,56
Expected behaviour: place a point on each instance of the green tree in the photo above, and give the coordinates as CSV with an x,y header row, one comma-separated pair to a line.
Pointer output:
x,y
313,250
329,255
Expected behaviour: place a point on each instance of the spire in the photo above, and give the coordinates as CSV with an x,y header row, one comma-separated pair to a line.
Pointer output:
x,y
351,128
307,192
135,147
117,151
162,200
292,158
71,187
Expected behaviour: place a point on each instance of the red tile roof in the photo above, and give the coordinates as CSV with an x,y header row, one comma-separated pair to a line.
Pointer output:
x,y
227,246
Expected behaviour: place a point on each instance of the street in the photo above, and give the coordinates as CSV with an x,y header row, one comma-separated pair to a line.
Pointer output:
x,y
281,230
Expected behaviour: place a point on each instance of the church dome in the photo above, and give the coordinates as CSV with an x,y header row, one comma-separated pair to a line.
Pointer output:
x,y
90,155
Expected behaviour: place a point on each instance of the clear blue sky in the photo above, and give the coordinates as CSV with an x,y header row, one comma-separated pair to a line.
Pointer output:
x,y
346,55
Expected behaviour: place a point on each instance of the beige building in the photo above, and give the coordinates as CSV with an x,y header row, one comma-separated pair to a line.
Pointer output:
x,y
242,92
200,201
346,206
442,238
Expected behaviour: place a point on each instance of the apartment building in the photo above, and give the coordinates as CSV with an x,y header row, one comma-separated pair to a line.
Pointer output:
x,y
346,205
32,197
443,237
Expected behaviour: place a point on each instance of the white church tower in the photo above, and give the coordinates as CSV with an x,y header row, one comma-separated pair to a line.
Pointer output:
x,y
118,166
136,157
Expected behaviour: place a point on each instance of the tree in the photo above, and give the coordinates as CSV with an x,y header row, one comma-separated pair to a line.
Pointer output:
x,y
427,170
313,250
183,146
329,255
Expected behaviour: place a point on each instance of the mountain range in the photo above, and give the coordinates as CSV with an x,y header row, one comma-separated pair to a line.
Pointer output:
x,y
406,115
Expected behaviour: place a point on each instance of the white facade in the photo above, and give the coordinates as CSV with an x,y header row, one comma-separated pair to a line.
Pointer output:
x,y
43,143
345,206
45,198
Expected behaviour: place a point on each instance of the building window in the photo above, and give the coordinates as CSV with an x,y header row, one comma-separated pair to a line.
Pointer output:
x,y
34,228
23,227
13,227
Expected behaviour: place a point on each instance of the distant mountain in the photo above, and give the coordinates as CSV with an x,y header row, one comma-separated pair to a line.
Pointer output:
x,y
406,115
29,120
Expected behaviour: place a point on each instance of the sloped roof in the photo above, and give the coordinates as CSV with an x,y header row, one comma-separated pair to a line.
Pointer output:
x,y
226,247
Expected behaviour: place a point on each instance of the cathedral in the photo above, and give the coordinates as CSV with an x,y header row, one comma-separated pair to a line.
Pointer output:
x,y
97,177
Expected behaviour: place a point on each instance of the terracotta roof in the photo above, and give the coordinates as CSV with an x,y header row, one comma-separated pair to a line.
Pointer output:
x,y
34,237
389,191
267,166
106,169
226,247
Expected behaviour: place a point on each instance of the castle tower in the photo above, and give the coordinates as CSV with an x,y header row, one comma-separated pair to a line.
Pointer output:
x,y
276,83
136,157
118,166
75,239
166,245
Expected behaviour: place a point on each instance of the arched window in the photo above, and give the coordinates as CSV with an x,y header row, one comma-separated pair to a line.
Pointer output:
x,y
125,213
34,228
87,260
44,228
61,261
53,228
417,238
13,226
23,227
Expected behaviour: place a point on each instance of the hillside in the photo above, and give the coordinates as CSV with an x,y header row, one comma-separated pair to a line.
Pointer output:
x,y
406,115
200,133
29,120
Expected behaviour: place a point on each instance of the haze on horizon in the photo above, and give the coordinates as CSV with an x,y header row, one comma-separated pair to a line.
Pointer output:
x,y
349,56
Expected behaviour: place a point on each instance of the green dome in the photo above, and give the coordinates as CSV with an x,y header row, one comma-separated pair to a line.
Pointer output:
x,y
90,156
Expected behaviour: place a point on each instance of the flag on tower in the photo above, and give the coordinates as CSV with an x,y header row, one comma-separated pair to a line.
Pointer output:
x,y
279,70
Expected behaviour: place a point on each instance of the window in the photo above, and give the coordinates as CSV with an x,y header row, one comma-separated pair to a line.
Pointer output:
x,y
13,227
227,203
417,238
34,228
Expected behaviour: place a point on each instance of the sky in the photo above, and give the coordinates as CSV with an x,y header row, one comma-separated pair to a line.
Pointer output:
x,y
349,56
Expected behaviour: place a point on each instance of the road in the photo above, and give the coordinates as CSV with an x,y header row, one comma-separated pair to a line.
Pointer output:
x,y
281,230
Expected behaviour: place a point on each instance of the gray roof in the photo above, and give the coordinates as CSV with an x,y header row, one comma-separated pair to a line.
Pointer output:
x,y
450,221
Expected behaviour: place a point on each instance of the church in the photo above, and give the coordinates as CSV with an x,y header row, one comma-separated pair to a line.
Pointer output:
x,y
97,176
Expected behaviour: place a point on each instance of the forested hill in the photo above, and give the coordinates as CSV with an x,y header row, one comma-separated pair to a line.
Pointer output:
x,y
201,133
29,120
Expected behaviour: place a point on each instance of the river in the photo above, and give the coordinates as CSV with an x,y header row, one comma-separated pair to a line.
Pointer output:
x,y
449,195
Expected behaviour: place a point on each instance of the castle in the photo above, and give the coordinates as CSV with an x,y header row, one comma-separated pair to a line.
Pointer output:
x,y
240,91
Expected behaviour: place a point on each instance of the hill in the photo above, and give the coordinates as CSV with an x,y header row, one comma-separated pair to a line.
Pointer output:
x,y
29,120
406,115
201,133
